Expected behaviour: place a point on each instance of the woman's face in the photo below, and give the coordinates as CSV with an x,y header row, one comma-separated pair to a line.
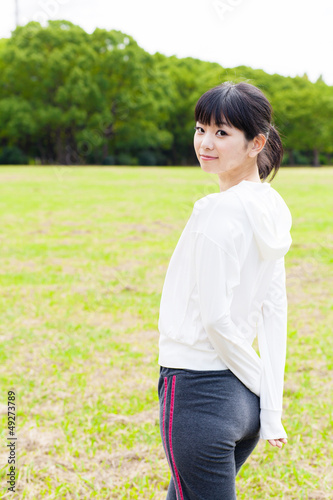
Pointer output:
x,y
221,148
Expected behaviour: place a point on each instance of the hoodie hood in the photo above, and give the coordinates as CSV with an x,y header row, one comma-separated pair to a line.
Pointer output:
x,y
269,217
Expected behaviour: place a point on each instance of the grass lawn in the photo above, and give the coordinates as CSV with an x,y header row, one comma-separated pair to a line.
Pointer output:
x,y
84,252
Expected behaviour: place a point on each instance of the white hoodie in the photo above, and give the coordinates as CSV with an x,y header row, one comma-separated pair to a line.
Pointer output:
x,y
225,285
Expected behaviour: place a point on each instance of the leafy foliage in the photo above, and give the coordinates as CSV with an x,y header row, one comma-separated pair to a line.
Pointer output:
x,y
69,97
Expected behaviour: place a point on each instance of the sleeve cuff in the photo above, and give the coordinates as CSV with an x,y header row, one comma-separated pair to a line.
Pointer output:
x,y
270,425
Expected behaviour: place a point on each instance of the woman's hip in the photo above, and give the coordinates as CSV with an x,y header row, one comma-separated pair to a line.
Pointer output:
x,y
212,402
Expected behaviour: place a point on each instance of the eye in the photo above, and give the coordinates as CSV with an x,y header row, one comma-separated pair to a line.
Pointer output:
x,y
199,129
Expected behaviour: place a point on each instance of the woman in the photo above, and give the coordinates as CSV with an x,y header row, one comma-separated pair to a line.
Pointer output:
x,y
224,286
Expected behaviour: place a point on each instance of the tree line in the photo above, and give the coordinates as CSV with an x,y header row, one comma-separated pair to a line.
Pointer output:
x,y
69,97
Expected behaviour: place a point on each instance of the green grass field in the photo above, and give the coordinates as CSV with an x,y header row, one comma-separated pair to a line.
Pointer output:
x,y
84,252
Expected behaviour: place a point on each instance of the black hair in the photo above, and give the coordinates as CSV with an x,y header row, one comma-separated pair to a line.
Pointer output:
x,y
245,107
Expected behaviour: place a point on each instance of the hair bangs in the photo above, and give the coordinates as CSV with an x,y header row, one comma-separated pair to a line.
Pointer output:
x,y
211,109
216,106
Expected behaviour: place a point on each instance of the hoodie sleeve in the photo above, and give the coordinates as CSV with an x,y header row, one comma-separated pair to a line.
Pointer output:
x,y
272,340
217,273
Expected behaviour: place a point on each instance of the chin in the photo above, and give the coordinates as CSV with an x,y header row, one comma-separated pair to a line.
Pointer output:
x,y
206,167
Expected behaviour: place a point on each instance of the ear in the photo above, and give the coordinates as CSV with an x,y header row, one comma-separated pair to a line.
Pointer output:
x,y
258,144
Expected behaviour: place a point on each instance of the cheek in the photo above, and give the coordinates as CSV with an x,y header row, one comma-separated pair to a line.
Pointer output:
x,y
196,142
222,147
228,146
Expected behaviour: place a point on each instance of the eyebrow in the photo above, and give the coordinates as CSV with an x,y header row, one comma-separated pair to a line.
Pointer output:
x,y
220,124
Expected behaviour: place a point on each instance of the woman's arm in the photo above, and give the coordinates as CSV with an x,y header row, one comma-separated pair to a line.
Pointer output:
x,y
217,273
272,342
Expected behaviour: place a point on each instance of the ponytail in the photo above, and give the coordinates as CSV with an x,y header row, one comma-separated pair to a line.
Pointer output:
x,y
270,157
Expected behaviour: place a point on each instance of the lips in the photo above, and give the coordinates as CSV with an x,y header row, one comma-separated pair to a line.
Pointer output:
x,y
207,157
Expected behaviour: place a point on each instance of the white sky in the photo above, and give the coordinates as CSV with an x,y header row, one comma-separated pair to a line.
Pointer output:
x,y
288,37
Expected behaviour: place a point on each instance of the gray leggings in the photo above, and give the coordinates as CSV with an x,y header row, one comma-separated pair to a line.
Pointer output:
x,y
209,423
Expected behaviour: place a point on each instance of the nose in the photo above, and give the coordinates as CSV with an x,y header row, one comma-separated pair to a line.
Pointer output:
x,y
207,141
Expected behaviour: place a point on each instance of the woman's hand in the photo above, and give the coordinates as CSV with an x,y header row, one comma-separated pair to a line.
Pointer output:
x,y
277,442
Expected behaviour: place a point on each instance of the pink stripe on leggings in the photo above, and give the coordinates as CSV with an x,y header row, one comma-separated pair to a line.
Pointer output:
x,y
164,438
170,435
